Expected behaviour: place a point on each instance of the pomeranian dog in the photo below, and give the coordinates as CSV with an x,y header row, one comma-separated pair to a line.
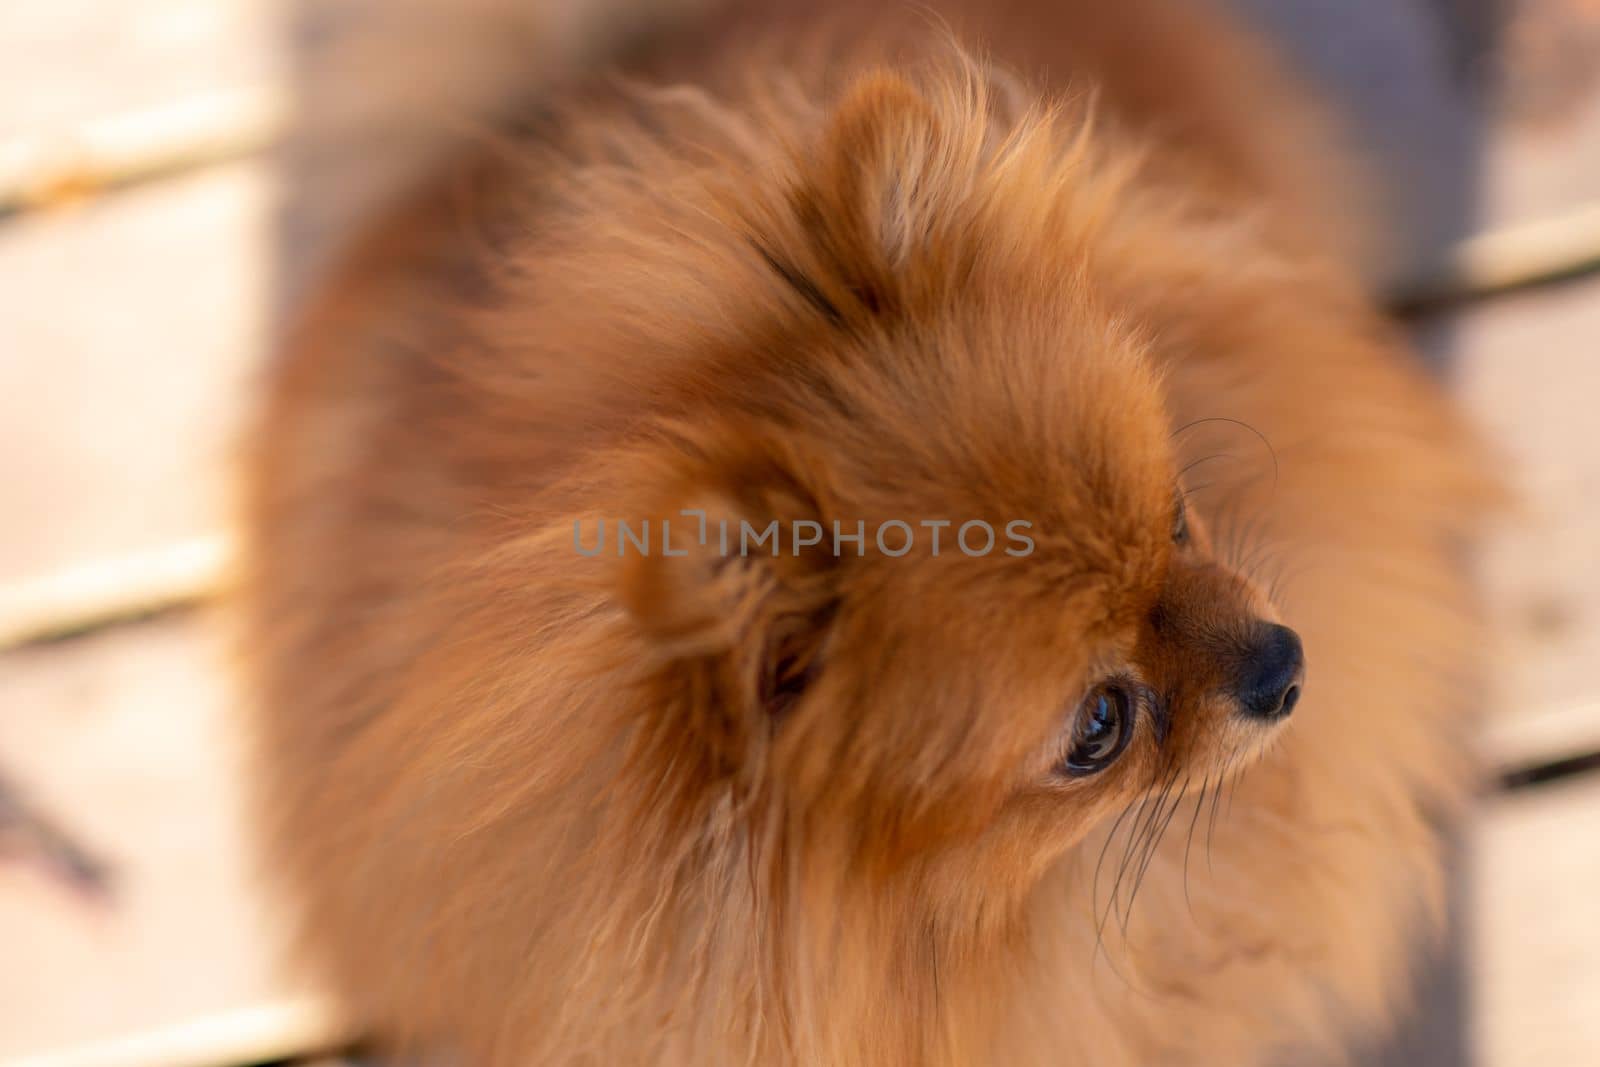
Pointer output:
x,y
866,537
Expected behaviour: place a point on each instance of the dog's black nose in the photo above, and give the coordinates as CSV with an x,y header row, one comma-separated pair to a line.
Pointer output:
x,y
1268,683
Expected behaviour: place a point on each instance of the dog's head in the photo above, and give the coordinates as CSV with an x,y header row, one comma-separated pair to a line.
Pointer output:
x,y
922,572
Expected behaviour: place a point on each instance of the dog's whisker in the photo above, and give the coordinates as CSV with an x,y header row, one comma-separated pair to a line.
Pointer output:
x,y
1151,849
1266,441
1101,918
1216,799
1135,834
1137,854
1188,847
1234,792
1192,464
1099,934
1094,885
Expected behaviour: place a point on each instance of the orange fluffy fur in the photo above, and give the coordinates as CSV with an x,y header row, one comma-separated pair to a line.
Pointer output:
x,y
540,808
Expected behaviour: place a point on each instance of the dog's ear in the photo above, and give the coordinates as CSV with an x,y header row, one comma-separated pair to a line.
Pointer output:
x,y
869,197
736,585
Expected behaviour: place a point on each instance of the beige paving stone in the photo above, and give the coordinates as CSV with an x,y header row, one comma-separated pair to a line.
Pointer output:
x,y
128,331
1527,367
69,62
1536,972
127,741
1543,149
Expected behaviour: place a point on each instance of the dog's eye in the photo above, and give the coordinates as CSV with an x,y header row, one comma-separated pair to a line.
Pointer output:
x,y
1100,730
1180,524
